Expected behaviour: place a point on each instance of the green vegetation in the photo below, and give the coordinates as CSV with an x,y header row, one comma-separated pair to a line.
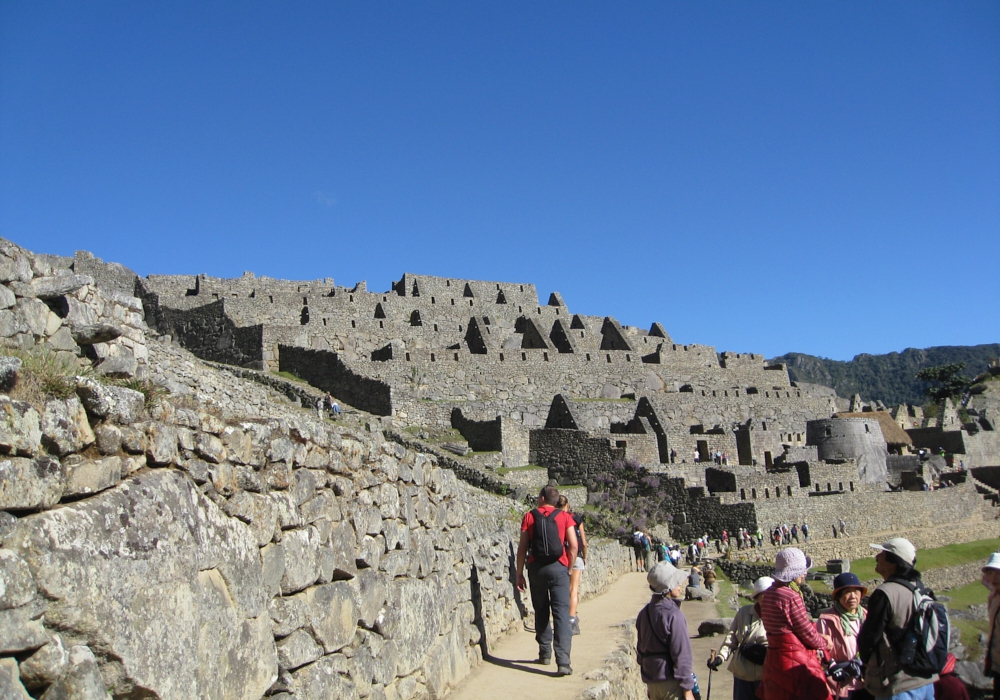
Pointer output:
x,y
891,377
939,557
45,374
974,593
153,393
290,376
506,470
726,590
949,383
969,631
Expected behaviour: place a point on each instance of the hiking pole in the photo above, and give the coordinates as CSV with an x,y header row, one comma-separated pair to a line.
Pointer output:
x,y
708,694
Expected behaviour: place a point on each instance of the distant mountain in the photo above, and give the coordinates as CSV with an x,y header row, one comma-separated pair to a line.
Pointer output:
x,y
889,378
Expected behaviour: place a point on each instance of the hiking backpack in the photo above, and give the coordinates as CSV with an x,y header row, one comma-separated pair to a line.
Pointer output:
x,y
922,648
546,544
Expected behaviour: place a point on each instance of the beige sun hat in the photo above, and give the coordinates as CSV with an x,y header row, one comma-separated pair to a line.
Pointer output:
x,y
761,585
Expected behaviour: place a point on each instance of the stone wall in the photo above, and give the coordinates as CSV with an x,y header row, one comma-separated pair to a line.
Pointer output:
x,y
327,372
571,456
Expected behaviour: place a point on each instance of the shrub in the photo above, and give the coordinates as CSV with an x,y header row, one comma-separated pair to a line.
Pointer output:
x,y
45,374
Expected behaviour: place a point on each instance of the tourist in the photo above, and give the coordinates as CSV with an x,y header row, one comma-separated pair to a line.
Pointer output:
x,y
795,533
834,526
745,646
548,573
760,537
673,455
792,670
640,559
805,531
711,579
664,648
889,610
843,528
579,566
319,408
991,579
842,622
335,409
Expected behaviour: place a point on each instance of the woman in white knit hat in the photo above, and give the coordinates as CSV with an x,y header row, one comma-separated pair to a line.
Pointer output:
x,y
792,670
745,646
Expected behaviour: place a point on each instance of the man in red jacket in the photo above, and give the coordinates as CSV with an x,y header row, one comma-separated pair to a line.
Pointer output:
x,y
548,535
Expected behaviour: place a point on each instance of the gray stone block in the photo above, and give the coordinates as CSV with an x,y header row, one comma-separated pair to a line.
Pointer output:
x,y
9,367
114,403
20,427
85,477
58,285
27,484
82,680
65,427
46,665
120,367
297,649
10,684
17,587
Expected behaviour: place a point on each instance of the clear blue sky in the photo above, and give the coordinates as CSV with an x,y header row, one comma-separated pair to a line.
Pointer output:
x,y
762,177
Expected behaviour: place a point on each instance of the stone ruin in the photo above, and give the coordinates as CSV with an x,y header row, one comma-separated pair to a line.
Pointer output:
x,y
207,537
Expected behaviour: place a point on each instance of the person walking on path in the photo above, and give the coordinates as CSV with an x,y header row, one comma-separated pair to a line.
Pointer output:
x,y
664,646
579,566
640,559
805,531
842,623
991,579
792,670
889,611
745,646
550,535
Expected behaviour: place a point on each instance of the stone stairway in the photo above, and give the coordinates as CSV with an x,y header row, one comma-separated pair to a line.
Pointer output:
x,y
988,492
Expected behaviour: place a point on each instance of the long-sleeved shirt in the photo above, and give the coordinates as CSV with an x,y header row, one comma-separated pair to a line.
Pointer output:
x,y
783,612
664,648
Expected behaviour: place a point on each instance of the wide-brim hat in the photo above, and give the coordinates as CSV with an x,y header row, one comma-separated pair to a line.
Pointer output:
x,y
993,562
761,585
848,580
790,564
665,577
901,547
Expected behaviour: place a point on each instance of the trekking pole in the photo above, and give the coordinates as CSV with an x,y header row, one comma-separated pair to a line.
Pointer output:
x,y
708,694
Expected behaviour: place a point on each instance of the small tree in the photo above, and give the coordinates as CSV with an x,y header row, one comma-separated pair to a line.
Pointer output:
x,y
949,383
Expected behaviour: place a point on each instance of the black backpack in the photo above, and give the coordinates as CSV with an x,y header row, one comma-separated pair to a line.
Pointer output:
x,y
922,648
546,544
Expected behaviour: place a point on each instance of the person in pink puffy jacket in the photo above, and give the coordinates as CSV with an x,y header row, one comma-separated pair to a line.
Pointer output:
x,y
842,623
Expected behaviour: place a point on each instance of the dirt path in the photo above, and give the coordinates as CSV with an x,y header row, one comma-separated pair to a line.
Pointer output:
x,y
509,673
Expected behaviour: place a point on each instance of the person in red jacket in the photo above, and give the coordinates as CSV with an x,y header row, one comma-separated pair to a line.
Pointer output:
x,y
792,669
549,576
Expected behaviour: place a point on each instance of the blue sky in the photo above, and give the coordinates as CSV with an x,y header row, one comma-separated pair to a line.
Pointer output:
x,y
762,177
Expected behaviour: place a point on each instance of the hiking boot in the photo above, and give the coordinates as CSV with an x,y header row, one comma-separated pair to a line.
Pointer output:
x,y
543,660
564,671
574,625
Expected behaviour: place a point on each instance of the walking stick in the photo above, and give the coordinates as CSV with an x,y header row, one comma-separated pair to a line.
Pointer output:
x,y
708,695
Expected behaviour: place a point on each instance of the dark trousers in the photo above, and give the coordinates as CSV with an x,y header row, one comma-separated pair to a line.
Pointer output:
x,y
550,594
744,690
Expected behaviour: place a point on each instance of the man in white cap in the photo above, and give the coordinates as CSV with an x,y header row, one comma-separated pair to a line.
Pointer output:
x,y
745,646
991,579
889,611
664,647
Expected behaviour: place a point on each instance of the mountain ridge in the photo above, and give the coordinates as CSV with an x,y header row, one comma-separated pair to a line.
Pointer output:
x,y
890,377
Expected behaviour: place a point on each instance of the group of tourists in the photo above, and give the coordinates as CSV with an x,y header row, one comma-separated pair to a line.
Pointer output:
x,y
327,405
895,647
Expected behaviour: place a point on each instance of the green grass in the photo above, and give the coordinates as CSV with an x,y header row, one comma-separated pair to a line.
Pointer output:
x,y
506,470
937,558
289,375
962,597
969,635
726,589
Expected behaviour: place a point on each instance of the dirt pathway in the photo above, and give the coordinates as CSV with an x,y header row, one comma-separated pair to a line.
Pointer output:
x,y
509,673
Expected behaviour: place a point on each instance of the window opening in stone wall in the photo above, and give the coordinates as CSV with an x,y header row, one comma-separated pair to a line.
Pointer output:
x,y
433,301
452,302
829,432
851,484
501,357
753,493
501,299
384,298
407,357
351,298
621,443
305,300
588,357
416,290
743,494
817,486
539,309
468,291
713,392
581,334
703,454
522,287
524,356
379,312
828,487
789,490
447,283
768,462
354,324
763,425
609,357
840,486
270,298
486,320
456,357
628,358
777,492
797,393
470,302
460,328
415,319
304,316
519,309
381,324
435,327
867,430
545,356
432,357
324,321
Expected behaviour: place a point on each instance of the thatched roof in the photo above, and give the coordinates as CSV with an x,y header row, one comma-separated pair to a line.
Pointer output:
x,y
893,434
